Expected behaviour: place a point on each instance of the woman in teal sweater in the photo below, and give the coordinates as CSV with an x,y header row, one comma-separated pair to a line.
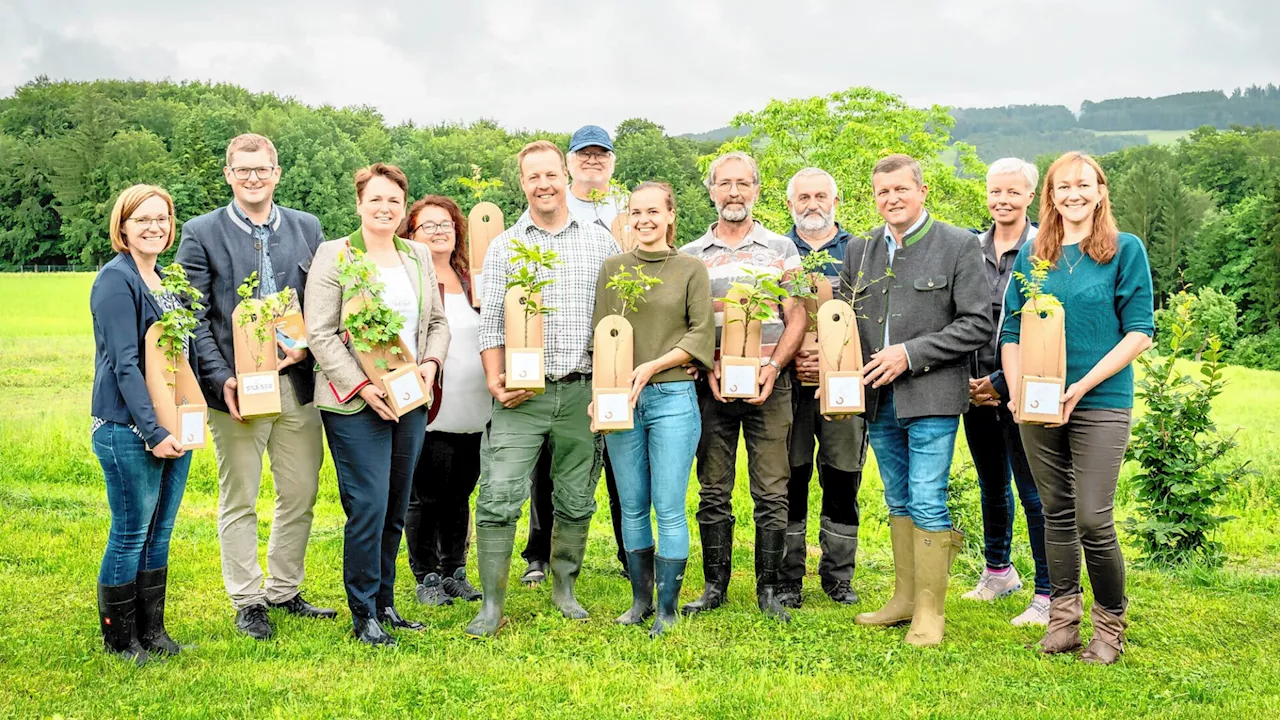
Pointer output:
x,y
1103,280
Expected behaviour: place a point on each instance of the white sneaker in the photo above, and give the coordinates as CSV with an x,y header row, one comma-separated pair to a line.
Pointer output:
x,y
992,586
1037,613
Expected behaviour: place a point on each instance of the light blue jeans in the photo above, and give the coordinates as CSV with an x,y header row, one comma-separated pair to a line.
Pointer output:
x,y
652,462
914,456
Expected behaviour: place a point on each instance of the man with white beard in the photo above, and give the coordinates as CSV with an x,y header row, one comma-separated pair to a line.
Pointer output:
x,y
812,198
735,244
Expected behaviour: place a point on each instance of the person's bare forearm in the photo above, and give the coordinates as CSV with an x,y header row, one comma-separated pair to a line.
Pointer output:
x,y
493,360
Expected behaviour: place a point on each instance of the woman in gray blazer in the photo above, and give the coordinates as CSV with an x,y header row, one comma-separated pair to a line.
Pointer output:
x,y
374,452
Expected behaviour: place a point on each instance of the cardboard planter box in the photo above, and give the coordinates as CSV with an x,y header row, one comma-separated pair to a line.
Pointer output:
x,y
484,223
1043,354
394,372
611,374
739,352
257,373
525,366
175,394
840,360
811,305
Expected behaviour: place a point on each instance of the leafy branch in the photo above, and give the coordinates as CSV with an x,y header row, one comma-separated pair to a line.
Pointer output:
x,y
756,298
178,325
529,260
617,192
476,183
630,288
1033,287
373,325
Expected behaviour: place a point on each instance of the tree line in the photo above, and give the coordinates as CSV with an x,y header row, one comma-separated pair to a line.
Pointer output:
x,y
1208,207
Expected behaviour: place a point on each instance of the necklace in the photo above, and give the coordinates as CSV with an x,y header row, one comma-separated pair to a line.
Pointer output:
x,y
1071,266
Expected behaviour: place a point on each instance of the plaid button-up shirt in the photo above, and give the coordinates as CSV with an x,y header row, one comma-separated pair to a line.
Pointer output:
x,y
566,332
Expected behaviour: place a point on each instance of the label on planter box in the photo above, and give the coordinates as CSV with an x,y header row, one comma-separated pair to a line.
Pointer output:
x,y
192,431
524,364
613,407
844,392
258,384
740,379
1041,398
406,389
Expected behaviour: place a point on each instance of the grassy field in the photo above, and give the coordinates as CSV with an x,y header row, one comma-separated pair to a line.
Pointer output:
x,y
1203,642
1155,137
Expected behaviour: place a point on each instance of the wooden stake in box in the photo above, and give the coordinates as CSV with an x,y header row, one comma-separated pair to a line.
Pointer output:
x,y
391,367
823,293
611,374
257,375
484,223
739,351
524,354
840,360
174,392
1043,352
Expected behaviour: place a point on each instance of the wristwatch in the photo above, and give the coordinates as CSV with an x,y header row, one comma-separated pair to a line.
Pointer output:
x,y
775,365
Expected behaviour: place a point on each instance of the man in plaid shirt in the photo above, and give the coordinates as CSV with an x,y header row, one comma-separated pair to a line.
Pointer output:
x,y
522,420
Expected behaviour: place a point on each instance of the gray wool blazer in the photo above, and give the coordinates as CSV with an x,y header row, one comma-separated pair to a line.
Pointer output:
x,y
938,304
339,376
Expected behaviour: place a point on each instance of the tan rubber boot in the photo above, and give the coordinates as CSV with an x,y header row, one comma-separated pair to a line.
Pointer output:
x,y
933,552
1108,637
902,605
1063,632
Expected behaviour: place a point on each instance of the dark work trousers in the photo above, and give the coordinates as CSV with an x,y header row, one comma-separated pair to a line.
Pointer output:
x,y
374,460
435,529
541,512
1076,468
997,453
766,430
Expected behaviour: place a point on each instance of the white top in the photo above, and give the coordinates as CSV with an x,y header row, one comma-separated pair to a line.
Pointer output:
x,y
464,396
397,293
602,212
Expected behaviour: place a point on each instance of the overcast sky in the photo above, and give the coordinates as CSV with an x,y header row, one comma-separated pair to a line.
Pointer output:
x,y
689,65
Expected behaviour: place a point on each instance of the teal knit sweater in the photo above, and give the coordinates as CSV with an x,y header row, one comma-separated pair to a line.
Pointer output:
x,y
1103,303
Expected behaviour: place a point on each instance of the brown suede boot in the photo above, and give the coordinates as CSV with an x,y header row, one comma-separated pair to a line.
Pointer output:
x,y
1108,637
1063,633
902,605
933,554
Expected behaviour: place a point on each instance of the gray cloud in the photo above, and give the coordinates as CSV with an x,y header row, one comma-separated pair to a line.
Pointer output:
x,y
687,65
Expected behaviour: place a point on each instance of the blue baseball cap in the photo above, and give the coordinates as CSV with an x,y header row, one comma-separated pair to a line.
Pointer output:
x,y
588,135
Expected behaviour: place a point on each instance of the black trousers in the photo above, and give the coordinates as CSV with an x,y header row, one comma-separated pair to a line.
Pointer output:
x,y
541,511
435,527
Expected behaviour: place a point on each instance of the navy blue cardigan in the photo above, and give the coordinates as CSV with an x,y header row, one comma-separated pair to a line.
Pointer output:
x,y
123,310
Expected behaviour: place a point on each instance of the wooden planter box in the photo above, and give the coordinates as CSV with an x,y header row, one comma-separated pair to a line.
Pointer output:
x,y
612,363
257,374
175,394
1043,360
525,366
484,223
811,305
394,372
739,352
840,360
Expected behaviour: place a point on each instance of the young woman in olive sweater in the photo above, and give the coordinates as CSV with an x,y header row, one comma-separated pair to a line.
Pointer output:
x,y
673,326
1103,280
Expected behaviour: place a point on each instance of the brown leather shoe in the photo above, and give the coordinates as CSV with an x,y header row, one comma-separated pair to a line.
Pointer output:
x,y
1108,637
1063,632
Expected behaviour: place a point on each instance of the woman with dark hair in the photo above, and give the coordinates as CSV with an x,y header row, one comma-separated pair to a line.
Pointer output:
x,y
1103,280
439,512
145,467
674,325
374,452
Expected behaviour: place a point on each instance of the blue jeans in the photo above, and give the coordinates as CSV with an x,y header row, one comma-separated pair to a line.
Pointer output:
x,y
144,493
652,462
914,456
374,460
997,453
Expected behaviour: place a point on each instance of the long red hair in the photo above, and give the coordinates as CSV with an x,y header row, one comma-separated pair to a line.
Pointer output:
x,y
458,259
1101,242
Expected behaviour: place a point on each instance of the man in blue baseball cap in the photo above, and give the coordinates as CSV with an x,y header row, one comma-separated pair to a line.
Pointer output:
x,y
590,200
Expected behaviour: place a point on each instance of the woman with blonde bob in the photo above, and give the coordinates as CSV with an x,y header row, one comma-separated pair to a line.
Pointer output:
x,y
145,467
1103,280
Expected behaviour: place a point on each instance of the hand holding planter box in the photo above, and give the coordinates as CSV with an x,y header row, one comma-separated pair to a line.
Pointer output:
x,y
374,330
1043,352
175,393
522,316
746,308
839,360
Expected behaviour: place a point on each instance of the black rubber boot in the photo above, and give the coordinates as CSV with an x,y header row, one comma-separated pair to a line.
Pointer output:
x,y
370,632
791,574
117,608
770,547
717,563
493,560
568,547
640,571
839,551
152,586
670,576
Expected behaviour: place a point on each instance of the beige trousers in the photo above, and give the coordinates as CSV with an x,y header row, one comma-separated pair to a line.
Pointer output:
x,y
293,442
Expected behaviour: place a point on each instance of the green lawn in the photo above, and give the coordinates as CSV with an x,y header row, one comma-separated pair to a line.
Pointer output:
x,y
1155,137
1203,643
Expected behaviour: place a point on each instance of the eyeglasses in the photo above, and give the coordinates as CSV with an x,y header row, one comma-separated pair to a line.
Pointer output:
x,y
243,173
146,222
597,156
735,185
431,228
